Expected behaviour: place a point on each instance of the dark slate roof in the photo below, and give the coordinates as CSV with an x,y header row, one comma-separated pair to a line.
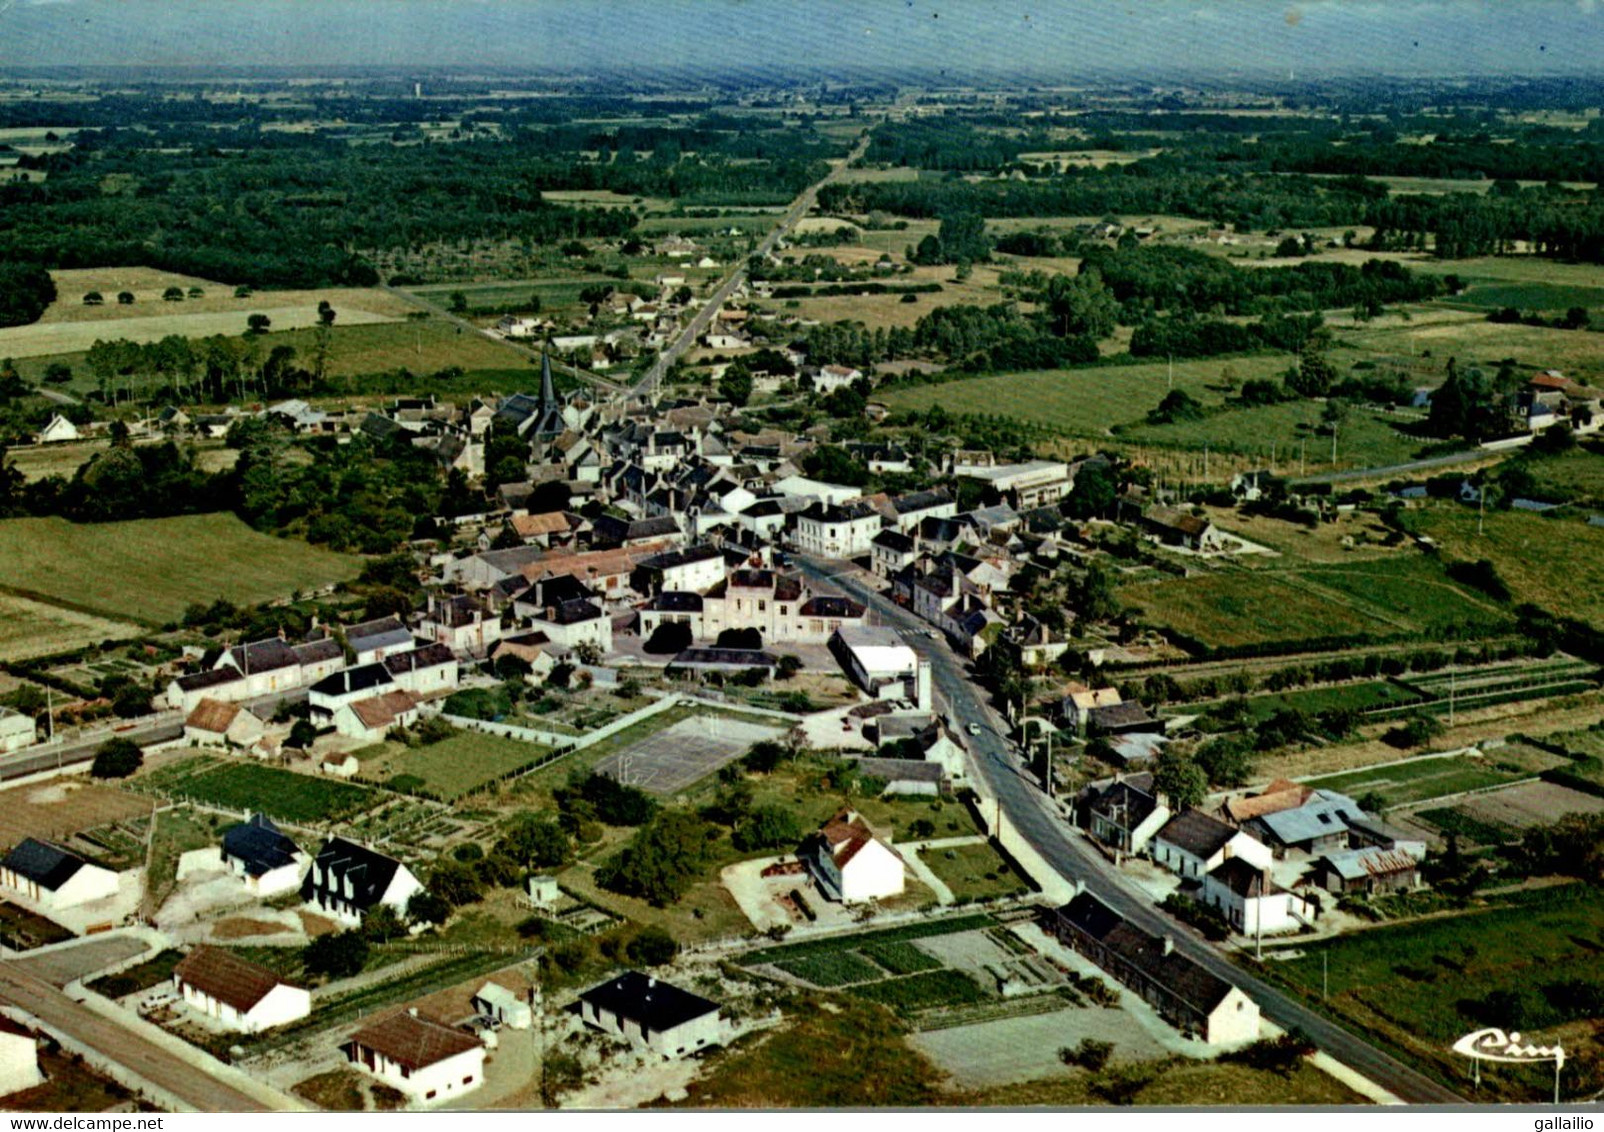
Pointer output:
x,y
840,512
555,590
1243,879
49,866
1197,833
259,844
429,656
1127,714
373,634
314,652
358,679
574,611
894,540
211,678
726,658
920,501
654,1004
671,558
831,607
1180,976
370,872
1128,802
676,601
263,656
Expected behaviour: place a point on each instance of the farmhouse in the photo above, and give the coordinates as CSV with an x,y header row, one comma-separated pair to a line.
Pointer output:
x,y
651,1013
224,683
1319,825
1192,843
19,1058
696,569
1250,900
237,995
16,730
52,878
348,880
1189,532
1078,703
347,686
426,1060
1368,871
850,863
1126,813
891,551
534,649
464,624
267,666
216,723
258,853
372,718
1187,996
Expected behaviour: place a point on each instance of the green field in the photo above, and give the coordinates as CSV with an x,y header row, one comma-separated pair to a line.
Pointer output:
x,y
1361,696
245,786
1083,402
1576,476
1557,563
1419,780
923,930
1366,440
1383,598
1529,297
900,957
149,570
924,991
1454,820
1419,986
450,768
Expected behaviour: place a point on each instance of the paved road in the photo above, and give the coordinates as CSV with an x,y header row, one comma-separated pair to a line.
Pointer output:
x,y
158,729
698,325
187,1081
1388,470
1040,824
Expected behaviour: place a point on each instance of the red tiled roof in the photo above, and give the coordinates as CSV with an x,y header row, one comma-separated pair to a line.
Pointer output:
x,y
413,1041
226,977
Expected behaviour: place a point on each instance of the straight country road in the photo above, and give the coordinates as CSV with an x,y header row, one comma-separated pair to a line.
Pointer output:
x,y
188,1081
1387,470
694,329
1037,820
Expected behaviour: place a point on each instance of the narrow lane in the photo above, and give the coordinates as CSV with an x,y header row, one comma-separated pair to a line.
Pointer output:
x,y
1045,829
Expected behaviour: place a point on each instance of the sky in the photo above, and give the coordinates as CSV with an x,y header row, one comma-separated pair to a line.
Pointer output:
x,y
769,39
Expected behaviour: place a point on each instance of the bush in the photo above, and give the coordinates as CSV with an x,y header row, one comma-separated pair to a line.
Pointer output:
x,y
740,639
652,947
116,758
662,860
1280,1055
338,955
766,827
671,637
1091,1054
1417,731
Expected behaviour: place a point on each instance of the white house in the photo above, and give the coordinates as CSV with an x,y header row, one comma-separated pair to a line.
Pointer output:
x,y
347,686
805,488
19,1059
651,1013
881,663
51,878
1026,486
372,641
371,719
833,377
426,1060
425,671
497,1002
16,731
259,853
236,994
268,666
1191,844
216,723
1250,900
850,864
837,530
58,429
348,880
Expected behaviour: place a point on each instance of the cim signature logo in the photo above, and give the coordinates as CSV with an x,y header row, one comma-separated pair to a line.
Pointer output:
x,y
1493,1044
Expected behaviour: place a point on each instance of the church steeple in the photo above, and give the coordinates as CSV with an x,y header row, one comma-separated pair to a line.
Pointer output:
x,y
549,413
548,391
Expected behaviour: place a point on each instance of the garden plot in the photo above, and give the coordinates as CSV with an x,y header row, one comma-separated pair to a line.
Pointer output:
x,y
674,758
1530,804
60,810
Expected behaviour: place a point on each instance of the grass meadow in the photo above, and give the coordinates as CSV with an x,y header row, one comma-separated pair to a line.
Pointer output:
x,y
150,569
247,786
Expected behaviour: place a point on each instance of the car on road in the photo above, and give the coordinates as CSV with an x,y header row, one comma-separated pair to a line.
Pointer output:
x,y
974,729
932,634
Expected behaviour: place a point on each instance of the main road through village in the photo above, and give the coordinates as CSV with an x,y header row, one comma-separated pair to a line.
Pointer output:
x,y
1037,820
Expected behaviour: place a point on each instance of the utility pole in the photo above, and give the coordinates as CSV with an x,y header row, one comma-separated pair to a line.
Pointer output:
x,y
1303,457
1258,920
1325,974
1481,508
1333,444
1172,371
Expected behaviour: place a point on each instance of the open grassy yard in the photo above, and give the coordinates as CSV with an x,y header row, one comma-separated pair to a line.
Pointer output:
x,y
159,320
974,872
247,786
1557,563
1360,696
1176,1082
451,768
30,628
149,570
1486,344
1419,986
1577,475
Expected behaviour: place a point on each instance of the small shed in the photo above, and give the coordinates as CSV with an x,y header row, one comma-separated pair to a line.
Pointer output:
x,y
542,891
497,1002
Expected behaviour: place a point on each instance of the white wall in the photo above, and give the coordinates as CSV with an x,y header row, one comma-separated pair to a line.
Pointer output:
x,y
445,1079
1235,1020
875,873
19,1064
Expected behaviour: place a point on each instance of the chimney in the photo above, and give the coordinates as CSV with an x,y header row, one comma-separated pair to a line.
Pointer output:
x,y
412,1011
651,981
1169,944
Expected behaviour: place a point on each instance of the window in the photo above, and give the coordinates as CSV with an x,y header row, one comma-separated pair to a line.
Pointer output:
x,y
429,1096
406,1072
468,1080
